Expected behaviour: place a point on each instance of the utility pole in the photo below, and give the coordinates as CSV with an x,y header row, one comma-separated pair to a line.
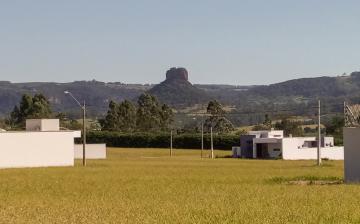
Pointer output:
x,y
171,143
84,134
345,117
319,136
83,107
212,143
202,136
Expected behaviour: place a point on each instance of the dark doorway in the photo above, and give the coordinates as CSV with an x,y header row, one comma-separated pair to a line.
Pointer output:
x,y
262,151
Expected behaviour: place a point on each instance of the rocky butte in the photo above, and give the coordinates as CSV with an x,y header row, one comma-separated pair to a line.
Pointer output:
x,y
177,74
177,91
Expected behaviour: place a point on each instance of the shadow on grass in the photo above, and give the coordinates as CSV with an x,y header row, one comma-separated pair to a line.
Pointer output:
x,y
327,163
224,157
306,180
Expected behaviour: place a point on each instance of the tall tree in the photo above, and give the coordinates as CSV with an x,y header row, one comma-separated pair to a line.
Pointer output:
x,y
148,116
148,113
126,116
166,117
40,107
334,127
111,120
217,118
3,124
290,127
266,125
31,107
267,122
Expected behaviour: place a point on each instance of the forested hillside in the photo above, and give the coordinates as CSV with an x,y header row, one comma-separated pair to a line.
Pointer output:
x,y
297,95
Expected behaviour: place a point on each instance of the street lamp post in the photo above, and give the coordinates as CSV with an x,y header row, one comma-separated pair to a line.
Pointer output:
x,y
83,107
202,134
319,135
202,137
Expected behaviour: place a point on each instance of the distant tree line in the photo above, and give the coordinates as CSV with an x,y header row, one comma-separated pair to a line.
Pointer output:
x,y
217,119
31,107
36,107
148,115
288,125
162,140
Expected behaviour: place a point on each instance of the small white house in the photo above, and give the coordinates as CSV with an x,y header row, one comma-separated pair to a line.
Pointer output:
x,y
273,144
41,145
93,151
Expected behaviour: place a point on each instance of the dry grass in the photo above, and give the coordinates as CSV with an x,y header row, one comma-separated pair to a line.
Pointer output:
x,y
146,186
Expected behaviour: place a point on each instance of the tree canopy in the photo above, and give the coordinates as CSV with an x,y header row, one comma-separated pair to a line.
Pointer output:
x,y
290,127
120,117
217,119
31,107
148,115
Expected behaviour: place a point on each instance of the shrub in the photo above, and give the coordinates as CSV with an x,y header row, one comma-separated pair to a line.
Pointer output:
x,y
161,140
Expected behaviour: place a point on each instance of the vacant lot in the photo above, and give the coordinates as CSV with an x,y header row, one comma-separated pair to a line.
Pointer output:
x,y
146,186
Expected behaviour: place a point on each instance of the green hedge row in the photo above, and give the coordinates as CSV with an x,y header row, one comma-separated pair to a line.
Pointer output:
x,y
146,140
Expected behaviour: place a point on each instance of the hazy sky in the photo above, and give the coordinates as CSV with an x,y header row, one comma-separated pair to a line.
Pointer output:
x,y
136,41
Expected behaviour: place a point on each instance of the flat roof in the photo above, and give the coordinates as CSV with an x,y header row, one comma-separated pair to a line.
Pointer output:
x,y
4,132
267,140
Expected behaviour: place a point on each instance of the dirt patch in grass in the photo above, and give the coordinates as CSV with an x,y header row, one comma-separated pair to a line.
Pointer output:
x,y
307,180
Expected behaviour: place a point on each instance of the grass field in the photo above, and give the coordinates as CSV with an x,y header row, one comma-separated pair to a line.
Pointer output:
x,y
146,186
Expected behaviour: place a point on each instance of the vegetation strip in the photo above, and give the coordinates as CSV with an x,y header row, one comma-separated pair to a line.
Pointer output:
x,y
307,180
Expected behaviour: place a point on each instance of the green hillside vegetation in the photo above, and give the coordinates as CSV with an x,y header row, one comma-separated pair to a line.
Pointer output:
x,y
249,103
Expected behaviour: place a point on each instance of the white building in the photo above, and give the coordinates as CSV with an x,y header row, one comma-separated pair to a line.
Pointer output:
x,y
41,145
352,154
273,144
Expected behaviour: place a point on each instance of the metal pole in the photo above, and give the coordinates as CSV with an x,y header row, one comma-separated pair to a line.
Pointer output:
x,y
202,138
319,136
171,143
345,118
84,134
212,143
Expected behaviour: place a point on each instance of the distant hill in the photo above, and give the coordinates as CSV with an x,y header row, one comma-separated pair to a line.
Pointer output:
x,y
309,87
338,88
96,94
177,91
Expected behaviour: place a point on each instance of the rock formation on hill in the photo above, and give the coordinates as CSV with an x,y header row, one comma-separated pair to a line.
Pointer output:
x,y
177,73
177,91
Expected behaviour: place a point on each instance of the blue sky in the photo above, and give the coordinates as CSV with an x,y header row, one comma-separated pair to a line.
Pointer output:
x,y
226,42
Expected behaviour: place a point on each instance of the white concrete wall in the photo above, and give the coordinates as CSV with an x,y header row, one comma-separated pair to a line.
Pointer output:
x,y
276,134
42,125
291,151
352,155
268,134
328,141
93,151
36,149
